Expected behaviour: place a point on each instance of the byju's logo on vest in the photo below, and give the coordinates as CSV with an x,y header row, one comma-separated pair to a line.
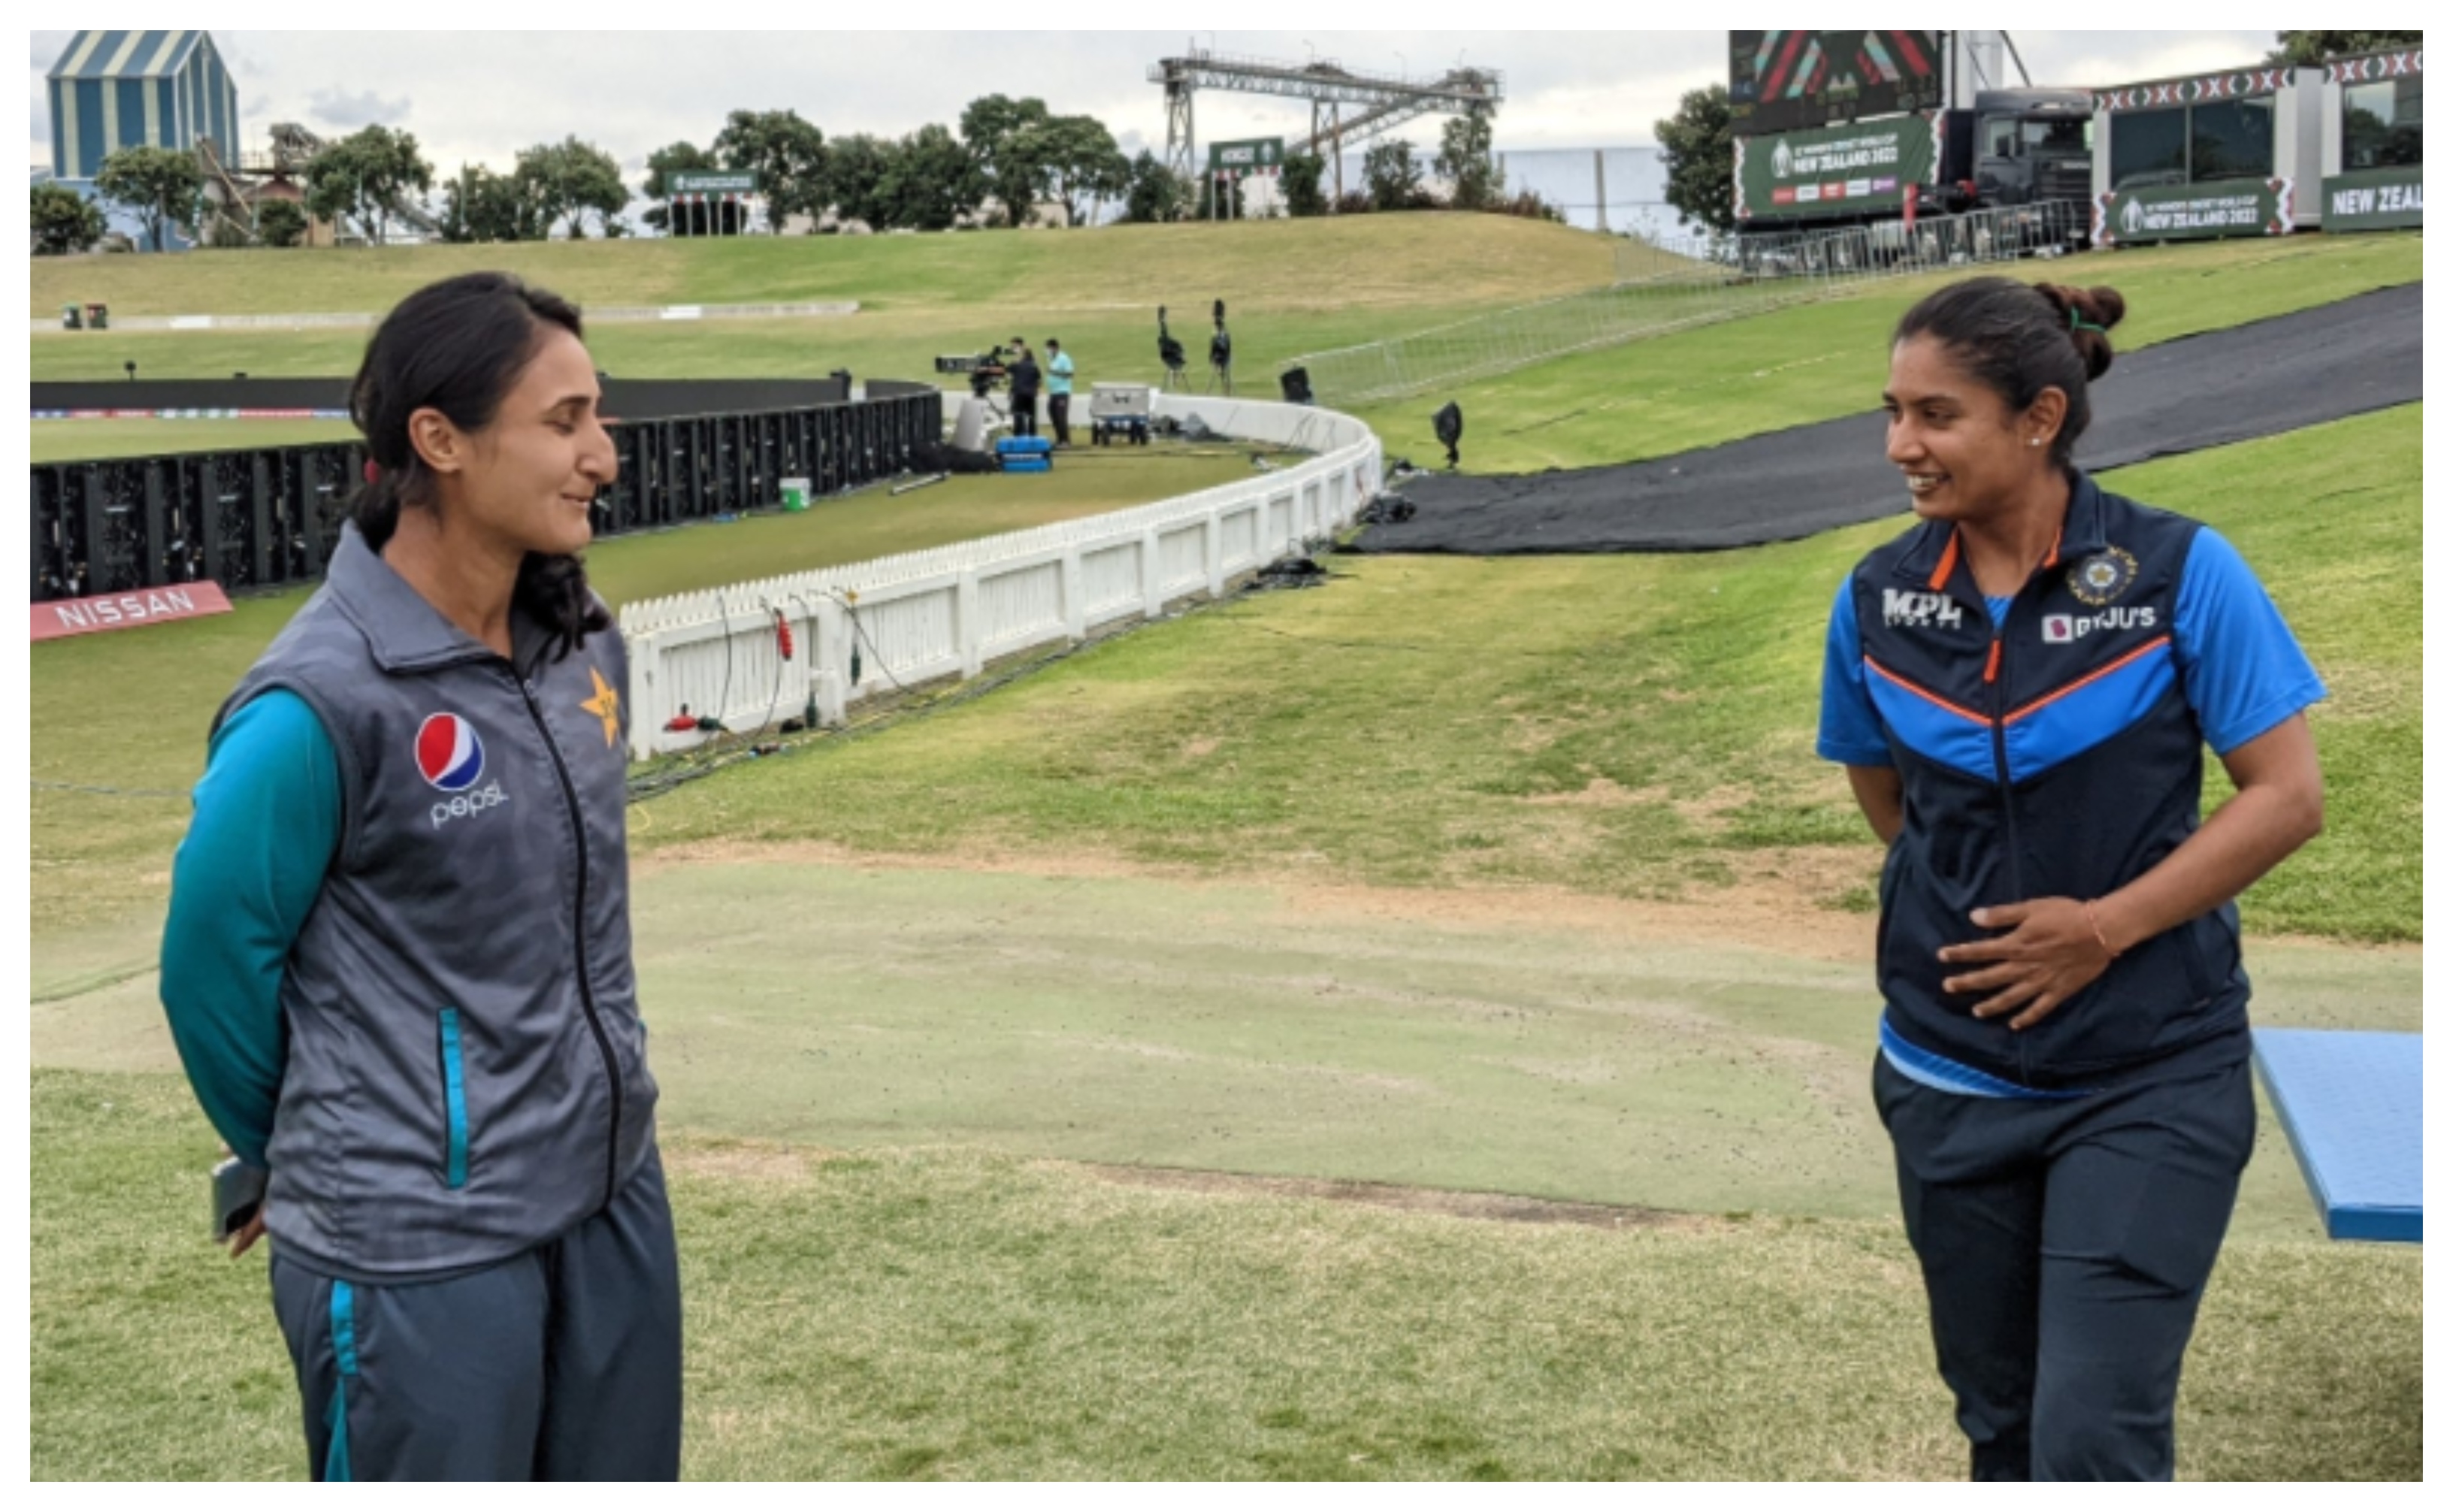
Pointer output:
x,y
2062,630
452,758
450,753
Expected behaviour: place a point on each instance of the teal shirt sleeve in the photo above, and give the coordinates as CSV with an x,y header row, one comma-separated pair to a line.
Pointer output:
x,y
267,820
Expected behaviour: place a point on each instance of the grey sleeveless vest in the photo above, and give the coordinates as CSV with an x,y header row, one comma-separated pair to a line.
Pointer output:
x,y
466,1075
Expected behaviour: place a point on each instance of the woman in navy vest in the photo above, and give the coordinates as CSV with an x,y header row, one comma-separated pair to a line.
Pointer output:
x,y
397,963
2022,688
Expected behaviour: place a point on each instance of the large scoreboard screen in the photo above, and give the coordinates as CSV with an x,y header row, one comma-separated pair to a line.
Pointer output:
x,y
1780,81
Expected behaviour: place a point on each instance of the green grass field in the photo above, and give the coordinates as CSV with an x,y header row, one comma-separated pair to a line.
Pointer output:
x,y
948,1314
1385,259
1415,1028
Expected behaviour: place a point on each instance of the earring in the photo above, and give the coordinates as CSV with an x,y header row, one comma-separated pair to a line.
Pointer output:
x,y
2035,441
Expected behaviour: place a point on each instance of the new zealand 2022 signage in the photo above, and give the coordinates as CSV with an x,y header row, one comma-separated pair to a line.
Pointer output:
x,y
1837,171
2194,212
2375,199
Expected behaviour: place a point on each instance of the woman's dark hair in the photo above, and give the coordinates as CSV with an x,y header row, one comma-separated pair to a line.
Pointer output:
x,y
459,346
2021,339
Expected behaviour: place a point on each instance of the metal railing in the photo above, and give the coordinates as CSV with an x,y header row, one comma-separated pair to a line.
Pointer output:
x,y
1671,284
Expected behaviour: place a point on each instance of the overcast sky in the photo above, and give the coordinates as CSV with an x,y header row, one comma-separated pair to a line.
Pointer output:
x,y
478,98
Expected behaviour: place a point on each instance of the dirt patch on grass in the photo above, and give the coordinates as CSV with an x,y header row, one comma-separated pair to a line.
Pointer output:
x,y
745,1159
1600,793
1090,864
1772,913
1779,903
1489,1206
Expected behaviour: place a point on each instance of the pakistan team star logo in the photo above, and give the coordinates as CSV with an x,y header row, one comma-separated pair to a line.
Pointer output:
x,y
605,706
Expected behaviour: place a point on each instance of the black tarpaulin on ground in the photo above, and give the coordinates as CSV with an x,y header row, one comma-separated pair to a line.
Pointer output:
x,y
2256,380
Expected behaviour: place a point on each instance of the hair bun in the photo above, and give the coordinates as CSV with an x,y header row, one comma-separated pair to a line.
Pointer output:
x,y
2090,314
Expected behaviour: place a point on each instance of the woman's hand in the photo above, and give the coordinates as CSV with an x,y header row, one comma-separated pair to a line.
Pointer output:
x,y
2052,951
249,1232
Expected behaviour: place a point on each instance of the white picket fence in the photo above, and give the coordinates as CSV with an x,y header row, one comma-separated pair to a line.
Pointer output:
x,y
948,611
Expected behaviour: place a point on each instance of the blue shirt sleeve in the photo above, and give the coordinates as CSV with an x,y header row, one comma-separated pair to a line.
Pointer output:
x,y
1851,732
2240,668
268,819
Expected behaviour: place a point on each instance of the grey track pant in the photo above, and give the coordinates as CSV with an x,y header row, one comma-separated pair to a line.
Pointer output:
x,y
563,1363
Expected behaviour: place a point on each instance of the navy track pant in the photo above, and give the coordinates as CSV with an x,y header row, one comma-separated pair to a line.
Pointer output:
x,y
2065,1245
563,1363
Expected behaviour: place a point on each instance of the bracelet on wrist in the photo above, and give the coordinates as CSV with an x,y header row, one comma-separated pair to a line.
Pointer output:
x,y
2097,924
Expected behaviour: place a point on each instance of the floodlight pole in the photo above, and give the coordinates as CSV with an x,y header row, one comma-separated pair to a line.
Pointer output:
x,y
1178,122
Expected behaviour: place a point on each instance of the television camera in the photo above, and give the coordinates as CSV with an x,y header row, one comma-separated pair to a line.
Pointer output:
x,y
1170,352
1222,348
987,371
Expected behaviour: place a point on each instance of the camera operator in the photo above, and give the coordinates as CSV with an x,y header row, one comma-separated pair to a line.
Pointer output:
x,y
1023,375
988,372
1059,391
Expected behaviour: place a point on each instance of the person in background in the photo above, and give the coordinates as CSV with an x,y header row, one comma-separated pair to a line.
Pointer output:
x,y
397,960
1023,375
1059,391
2023,689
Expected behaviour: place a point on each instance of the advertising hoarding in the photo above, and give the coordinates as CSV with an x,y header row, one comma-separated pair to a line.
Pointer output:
x,y
1781,81
1836,171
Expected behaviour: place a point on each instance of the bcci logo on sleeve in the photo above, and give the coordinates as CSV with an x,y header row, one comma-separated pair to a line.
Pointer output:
x,y
451,759
1920,611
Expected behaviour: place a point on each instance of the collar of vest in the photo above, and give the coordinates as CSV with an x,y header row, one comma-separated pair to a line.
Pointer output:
x,y
404,633
1934,554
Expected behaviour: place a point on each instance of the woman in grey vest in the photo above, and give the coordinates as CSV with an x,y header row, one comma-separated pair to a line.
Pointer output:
x,y
397,963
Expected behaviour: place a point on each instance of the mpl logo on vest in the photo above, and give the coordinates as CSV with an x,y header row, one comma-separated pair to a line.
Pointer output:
x,y
1920,611
452,758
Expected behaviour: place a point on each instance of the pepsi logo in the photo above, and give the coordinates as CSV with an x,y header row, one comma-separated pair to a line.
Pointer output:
x,y
449,754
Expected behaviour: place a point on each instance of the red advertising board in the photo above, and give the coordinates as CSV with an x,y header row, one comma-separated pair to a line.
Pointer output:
x,y
121,612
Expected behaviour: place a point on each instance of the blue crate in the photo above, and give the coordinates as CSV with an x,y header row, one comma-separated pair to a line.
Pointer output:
x,y
1023,445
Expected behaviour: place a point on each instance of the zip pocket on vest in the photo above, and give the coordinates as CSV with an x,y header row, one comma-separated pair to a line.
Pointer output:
x,y
455,1105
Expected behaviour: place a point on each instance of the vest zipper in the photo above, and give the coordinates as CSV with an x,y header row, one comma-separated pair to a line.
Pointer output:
x,y
1997,707
579,940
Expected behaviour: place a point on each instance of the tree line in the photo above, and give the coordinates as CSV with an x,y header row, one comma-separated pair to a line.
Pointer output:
x,y
1001,161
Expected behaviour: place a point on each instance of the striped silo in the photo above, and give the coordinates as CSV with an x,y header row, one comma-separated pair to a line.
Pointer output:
x,y
114,89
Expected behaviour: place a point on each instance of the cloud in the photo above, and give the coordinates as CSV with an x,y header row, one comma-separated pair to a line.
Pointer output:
x,y
349,110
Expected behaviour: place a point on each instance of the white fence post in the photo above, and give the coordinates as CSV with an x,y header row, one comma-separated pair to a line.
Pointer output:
x,y
643,676
1213,552
831,646
1153,596
1077,618
969,634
